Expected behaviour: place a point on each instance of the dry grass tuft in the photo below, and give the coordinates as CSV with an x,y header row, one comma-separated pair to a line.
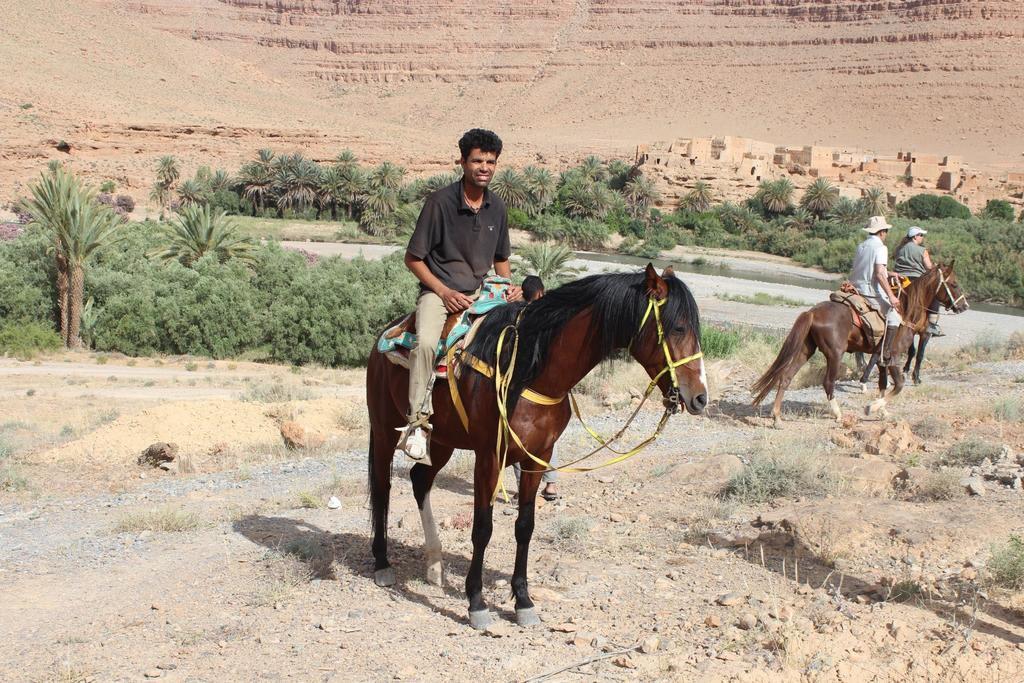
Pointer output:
x,y
275,392
786,470
164,520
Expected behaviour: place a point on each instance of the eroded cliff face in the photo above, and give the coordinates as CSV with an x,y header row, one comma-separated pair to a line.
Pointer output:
x,y
400,79
359,41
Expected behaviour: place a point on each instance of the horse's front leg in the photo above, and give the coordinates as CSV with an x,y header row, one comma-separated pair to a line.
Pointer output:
x,y
528,484
485,477
920,357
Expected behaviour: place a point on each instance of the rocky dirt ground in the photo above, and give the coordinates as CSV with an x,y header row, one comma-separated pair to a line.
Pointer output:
x,y
239,571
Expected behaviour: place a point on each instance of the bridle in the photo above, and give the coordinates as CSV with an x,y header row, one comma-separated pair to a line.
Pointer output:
x,y
943,283
674,395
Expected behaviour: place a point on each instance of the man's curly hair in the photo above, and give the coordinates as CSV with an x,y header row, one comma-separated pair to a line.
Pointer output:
x,y
481,139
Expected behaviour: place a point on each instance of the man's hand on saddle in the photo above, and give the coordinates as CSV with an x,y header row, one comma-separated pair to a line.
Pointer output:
x,y
455,302
514,293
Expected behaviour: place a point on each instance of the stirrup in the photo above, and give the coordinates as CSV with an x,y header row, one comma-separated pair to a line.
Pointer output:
x,y
415,440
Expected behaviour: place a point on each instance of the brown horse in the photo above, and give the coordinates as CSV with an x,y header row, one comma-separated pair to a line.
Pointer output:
x,y
562,337
829,327
915,352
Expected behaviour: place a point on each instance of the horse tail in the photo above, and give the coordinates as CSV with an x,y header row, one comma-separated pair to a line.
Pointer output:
x,y
790,349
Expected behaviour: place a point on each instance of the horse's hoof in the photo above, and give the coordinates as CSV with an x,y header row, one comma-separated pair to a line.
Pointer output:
x,y
384,577
864,388
435,574
480,619
777,423
527,617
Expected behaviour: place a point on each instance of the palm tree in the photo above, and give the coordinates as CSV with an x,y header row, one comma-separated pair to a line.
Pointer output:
x,y
221,181
256,181
297,183
167,171
161,194
388,175
549,262
593,168
199,230
512,187
582,198
699,198
542,186
776,196
847,211
352,184
332,190
736,218
819,197
618,173
191,192
378,204
435,183
875,201
346,160
640,192
78,226
801,220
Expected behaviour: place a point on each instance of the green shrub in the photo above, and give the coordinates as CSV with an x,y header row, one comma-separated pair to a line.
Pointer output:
x,y
970,452
716,342
998,210
25,340
1007,563
923,206
333,312
786,473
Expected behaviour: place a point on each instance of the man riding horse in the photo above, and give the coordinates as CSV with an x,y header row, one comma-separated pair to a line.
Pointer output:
x,y
870,277
460,234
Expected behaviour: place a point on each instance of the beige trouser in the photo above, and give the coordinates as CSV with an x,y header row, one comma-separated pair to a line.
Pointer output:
x,y
430,318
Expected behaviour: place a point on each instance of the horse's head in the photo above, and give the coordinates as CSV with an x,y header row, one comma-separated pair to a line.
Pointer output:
x,y
668,343
948,292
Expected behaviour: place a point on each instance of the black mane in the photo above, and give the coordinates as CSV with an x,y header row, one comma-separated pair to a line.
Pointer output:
x,y
618,302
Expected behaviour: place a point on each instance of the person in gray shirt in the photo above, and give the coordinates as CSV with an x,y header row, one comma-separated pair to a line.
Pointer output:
x,y
912,261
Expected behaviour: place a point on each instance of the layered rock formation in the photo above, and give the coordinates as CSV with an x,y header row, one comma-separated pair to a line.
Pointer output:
x,y
558,78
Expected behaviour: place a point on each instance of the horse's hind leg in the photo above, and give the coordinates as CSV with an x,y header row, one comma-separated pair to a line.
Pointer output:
x,y
872,362
422,477
833,358
382,450
528,483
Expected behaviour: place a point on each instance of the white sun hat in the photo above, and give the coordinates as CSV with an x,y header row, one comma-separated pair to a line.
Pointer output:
x,y
877,224
915,231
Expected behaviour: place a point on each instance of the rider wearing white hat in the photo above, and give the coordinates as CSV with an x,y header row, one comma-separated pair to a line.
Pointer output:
x,y
912,261
870,276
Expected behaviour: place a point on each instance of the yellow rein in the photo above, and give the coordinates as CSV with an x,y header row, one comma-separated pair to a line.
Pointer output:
x,y
503,382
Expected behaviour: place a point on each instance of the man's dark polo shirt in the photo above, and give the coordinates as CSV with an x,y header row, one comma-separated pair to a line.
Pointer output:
x,y
460,246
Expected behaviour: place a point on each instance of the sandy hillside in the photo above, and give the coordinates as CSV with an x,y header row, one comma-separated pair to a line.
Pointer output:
x,y
212,80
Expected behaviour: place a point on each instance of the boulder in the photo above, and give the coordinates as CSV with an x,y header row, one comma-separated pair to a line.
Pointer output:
x,y
297,438
158,454
870,477
894,438
294,435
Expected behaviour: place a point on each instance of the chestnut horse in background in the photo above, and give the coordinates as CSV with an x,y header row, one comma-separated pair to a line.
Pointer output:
x,y
561,338
829,327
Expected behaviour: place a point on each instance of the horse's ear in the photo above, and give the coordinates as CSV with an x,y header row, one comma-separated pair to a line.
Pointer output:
x,y
656,287
668,272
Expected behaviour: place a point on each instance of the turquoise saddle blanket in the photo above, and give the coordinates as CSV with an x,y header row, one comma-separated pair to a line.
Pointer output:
x,y
397,340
